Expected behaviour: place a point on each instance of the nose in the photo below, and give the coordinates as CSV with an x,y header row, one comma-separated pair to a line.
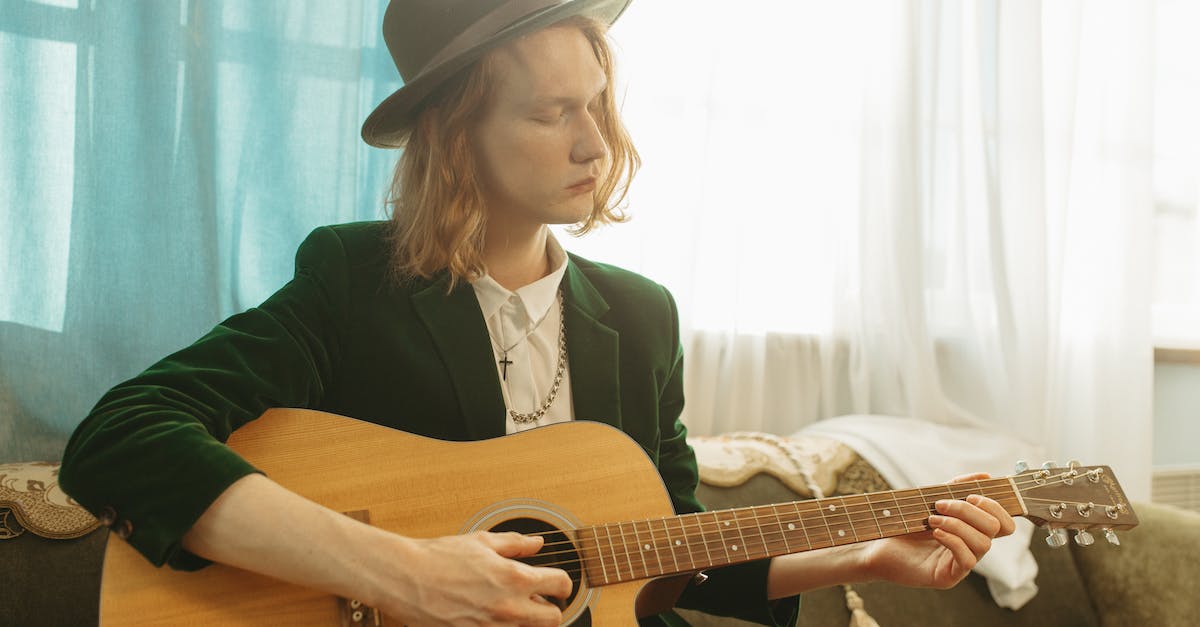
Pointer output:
x,y
589,144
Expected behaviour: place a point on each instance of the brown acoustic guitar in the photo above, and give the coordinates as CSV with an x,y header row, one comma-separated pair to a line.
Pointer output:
x,y
587,487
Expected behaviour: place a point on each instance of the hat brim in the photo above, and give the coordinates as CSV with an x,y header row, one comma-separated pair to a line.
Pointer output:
x,y
387,125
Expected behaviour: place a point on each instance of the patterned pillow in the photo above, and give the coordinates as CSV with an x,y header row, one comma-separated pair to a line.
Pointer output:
x,y
30,499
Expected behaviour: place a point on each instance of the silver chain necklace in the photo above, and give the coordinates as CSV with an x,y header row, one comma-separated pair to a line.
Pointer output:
x,y
537,414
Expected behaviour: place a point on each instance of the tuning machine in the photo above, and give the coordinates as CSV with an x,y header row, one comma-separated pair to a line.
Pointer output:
x,y
1083,538
1057,538
1111,536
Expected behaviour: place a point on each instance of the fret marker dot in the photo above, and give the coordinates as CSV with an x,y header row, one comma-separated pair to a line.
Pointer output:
x,y
887,512
833,508
679,543
734,547
727,523
791,527
841,532
646,547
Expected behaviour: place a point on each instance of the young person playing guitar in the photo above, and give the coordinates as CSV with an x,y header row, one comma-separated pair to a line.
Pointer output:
x,y
461,318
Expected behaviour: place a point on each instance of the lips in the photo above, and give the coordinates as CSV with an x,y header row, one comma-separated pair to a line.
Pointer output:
x,y
584,185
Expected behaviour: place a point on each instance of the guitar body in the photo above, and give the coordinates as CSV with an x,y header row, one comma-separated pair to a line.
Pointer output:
x,y
562,476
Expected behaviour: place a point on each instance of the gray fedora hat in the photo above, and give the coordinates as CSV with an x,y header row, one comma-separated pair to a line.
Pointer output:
x,y
431,40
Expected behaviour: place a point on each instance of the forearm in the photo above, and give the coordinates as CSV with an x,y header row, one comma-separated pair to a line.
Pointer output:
x,y
800,572
321,549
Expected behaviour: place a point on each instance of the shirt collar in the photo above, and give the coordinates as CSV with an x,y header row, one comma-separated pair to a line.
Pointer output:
x,y
535,298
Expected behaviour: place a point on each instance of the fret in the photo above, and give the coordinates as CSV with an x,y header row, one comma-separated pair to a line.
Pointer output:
x,y
655,547
638,538
803,525
703,538
860,505
718,523
749,527
671,546
755,512
739,549
625,547
928,508
782,532
612,551
684,542
587,553
883,514
821,508
899,511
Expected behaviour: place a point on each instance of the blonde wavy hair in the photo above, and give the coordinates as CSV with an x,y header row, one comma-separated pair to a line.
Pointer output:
x,y
438,216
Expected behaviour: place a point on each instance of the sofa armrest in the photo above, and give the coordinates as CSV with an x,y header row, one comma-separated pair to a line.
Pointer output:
x,y
1151,578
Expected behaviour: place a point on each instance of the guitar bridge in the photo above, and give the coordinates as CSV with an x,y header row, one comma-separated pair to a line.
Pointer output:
x,y
351,612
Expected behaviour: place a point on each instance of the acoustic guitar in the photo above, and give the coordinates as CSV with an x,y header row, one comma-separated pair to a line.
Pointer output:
x,y
587,487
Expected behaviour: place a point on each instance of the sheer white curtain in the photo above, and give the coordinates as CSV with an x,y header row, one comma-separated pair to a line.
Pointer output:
x,y
919,208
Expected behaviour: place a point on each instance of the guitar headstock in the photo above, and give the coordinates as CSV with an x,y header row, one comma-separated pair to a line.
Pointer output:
x,y
1083,498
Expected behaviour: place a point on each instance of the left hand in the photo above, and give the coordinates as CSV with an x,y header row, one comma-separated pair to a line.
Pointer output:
x,y
962,533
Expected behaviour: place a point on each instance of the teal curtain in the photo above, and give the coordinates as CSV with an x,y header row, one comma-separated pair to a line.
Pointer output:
x,y
160,160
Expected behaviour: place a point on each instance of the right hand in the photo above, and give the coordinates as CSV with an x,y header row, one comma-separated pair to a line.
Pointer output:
x,y
474,579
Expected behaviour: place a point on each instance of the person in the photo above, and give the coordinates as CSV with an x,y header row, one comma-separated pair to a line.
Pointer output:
x,y
460,318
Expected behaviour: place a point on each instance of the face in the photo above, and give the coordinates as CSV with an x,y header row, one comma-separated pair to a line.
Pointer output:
x,y
538,145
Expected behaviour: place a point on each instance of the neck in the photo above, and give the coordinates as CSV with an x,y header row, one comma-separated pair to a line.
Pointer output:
x,y
515,259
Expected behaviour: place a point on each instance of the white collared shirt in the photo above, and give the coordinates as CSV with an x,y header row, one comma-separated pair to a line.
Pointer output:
x,y
526,322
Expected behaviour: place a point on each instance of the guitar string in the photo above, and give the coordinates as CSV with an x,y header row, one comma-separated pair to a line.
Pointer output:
x,y
816,530
647,571
853,513
688,563
821,535
813,507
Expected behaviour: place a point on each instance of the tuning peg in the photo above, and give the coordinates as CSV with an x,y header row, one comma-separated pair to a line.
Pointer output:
x,y
1083,538
1057,538
1073,464
1112,538
1048,466
1021,467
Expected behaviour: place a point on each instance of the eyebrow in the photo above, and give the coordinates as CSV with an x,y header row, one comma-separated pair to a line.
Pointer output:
x,y
541,101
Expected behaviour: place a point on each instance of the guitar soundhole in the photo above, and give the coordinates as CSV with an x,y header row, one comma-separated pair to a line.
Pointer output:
x,y
558,551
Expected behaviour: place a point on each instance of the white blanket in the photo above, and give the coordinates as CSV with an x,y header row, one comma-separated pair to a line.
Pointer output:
x,y
911,453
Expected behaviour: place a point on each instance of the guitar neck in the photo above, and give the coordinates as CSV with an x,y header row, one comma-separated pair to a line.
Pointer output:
x,y
626,551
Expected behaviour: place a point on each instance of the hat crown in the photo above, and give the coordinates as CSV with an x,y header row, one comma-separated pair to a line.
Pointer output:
x,y
416,30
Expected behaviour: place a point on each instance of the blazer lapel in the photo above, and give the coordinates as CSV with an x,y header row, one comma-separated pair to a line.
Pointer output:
x,y
460,334
591,351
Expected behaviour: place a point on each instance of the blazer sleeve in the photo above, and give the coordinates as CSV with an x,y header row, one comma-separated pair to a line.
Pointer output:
x,y
739,590
150,457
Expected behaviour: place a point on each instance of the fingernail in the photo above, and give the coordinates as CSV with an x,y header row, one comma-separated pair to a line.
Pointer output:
x,y
942,505
936,521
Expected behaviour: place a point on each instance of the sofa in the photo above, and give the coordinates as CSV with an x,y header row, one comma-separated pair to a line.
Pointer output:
x,y
51,553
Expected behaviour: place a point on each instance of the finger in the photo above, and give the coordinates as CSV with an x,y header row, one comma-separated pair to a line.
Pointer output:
x,y
975,476
976,541
511,544
541,612
1007,524
973,515
963,556
550,582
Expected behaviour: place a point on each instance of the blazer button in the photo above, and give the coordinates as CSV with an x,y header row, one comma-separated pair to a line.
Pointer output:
x,y
107,516
124,529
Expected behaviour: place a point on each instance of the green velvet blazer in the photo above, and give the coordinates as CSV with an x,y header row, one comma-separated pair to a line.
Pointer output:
x,y
339,337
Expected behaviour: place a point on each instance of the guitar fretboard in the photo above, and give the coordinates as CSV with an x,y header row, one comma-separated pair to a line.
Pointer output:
x,y
626,551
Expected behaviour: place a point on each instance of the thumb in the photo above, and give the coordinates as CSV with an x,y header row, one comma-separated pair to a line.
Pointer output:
x,y
511,544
